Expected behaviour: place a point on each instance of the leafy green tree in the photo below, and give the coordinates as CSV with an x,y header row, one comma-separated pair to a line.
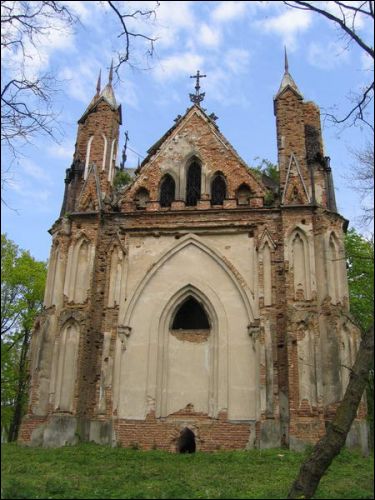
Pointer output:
x,y
267,168
121,179
22,287
360,264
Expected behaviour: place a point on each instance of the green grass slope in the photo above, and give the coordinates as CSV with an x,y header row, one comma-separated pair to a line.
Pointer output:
x,y
92,471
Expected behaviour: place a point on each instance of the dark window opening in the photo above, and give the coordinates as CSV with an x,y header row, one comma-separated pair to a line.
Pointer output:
x,y
218,190
193,185
243,195
186,441
167,191
191,316
142,197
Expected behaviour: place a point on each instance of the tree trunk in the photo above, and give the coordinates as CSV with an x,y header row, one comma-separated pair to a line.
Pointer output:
x,y
21,389
330,445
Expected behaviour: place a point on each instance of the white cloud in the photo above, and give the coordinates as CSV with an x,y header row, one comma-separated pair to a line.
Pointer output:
x,y
65,150
350,15
171,20
31,169
209,36
173,67
30,185
126,93
327,56
236,60
34,57
220,86
228,11
179,14
75,86
80,9
80,79
287,25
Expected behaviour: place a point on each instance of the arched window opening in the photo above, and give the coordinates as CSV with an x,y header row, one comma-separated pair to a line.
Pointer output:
x,y
67,367
218,190
167,191
142,197
334,270
191,316
243,195
82,276
186,441
299,268
193,185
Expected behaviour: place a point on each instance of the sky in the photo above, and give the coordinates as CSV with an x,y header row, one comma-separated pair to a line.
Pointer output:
x,y
238,45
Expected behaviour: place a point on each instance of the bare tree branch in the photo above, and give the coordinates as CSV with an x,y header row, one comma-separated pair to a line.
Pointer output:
x,y
358,111
341,22
123,56
346,20
362,180
27,102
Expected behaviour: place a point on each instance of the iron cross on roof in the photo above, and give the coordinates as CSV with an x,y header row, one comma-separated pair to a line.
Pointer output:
x,y
197,97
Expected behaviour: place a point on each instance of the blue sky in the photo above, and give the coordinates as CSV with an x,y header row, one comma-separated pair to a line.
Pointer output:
x,y
238,45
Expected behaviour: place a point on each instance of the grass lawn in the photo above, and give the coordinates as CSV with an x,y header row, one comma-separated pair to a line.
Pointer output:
x,y
93,471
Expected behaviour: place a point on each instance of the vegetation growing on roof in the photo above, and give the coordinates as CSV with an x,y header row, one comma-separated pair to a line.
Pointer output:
x,y
121,179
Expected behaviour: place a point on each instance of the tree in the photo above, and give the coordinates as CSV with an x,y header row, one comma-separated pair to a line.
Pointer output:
x,y
267,168
26,97
360,265
22,288
122,178
362,180
329,446
347,16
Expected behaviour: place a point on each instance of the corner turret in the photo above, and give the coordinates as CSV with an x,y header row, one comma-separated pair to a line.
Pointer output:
x,y
90,177
305,174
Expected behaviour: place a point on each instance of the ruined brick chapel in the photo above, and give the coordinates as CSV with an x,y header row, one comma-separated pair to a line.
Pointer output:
x,y
201,306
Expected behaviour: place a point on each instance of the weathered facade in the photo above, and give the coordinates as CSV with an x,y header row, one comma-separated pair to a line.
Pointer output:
x,y
201,306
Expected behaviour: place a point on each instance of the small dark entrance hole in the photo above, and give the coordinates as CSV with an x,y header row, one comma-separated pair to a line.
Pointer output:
x,y
186,441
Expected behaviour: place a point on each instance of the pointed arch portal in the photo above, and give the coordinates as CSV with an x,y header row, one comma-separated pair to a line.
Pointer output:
x,y
189,320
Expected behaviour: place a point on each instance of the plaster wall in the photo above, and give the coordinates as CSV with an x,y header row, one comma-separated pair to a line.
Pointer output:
x,y
159,371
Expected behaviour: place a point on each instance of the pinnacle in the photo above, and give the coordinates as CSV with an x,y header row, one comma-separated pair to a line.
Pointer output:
x,y
287,80
98,85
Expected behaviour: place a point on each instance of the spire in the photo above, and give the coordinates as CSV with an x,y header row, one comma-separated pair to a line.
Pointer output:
x,y
286,61
107,92
287,80
110,76
98,85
